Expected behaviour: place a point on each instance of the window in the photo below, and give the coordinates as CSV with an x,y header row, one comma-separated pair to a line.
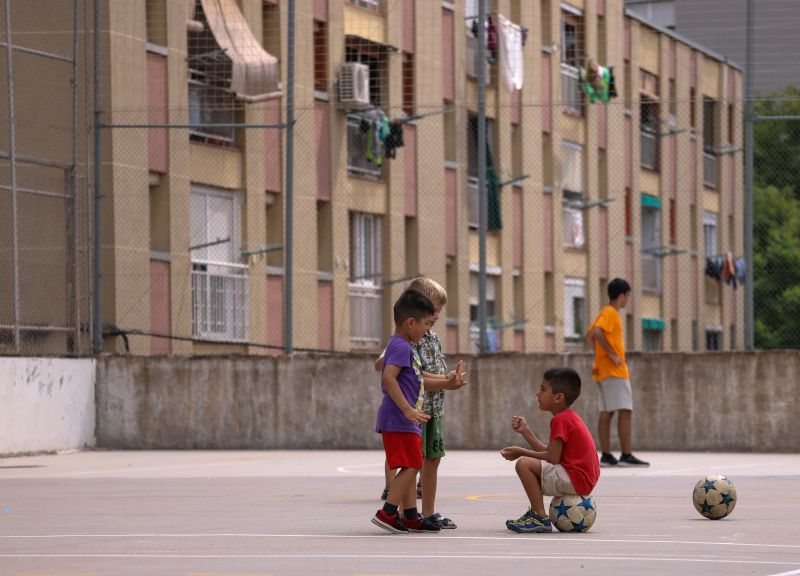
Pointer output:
x,y
650,119
572,187
210,104
408,84
710,233
473,199
366,299
361,158
714,338
320,56
709,150
220,299
574,308
368,4
571,53
651,340
472,166
491,312
651,243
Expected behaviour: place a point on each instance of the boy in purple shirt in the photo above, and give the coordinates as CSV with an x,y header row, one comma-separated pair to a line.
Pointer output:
x,y
400,413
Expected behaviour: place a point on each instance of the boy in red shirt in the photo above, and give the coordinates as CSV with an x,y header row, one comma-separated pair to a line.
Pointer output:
x,y
567,465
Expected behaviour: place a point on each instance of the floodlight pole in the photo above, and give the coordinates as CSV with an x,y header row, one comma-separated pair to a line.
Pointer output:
x,y
288,243
749,118
483,204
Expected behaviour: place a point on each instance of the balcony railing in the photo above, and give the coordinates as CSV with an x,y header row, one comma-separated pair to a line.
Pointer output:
x,y
571,95
709,170
649,150
651,273
573,227
366,316
221,303
473,202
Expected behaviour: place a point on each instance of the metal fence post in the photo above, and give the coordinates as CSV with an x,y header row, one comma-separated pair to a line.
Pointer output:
x,y
749,313
98,174
483,203
288,252
13,159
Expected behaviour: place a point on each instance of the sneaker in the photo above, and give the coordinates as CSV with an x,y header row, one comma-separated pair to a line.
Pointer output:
x,y
420,524
385,494
393,524
608,460
419,489
440,521
631,460
520,519
530,523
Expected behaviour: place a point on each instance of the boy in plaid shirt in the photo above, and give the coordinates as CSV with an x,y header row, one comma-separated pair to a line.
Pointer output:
x,y
429,349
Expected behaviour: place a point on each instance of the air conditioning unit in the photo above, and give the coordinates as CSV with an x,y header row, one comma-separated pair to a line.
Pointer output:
x,y
354,83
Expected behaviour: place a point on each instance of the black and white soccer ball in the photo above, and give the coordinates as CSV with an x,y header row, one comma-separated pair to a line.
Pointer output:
x,y
714,497
572,513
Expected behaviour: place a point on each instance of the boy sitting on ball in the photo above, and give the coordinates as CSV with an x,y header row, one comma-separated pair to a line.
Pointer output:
x,y
567,465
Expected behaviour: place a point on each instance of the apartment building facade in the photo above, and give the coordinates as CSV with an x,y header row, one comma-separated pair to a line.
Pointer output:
x,y
643,187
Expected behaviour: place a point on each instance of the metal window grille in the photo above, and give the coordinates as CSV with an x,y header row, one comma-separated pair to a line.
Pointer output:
x,y
709,169
220,304
571,95
473,201
710,233
574,307
573,227
651,242
209,104
357,146
649,149
366,295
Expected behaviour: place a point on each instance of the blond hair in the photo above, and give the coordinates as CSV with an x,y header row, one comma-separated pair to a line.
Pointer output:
x,y
430,288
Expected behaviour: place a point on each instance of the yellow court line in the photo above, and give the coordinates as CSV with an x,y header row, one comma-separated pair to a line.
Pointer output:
x,y
64,574
224,574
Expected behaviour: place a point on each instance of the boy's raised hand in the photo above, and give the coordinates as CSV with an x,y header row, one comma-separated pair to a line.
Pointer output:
x,y
518,424
511,453
458,376
415,415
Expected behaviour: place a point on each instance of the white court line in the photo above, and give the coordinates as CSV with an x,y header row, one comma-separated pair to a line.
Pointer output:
x,y
405,557
792,573
509,538
713,468
344,469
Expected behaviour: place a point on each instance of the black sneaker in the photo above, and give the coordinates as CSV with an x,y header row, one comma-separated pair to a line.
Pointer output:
x,y
608,460
385,494
440,521
631,460
420,524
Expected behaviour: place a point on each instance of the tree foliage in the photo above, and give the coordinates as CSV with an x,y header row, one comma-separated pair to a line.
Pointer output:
x,y
776,149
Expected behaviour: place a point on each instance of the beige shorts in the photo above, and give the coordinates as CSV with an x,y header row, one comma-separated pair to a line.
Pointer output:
x,y
555,480
614,394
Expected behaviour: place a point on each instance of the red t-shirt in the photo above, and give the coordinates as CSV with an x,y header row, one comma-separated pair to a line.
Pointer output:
x,y
579,455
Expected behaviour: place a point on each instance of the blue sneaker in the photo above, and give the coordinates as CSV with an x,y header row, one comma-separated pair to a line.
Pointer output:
x,y
530,523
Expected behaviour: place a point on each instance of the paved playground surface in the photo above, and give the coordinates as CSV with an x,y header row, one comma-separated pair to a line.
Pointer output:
x,y
286,513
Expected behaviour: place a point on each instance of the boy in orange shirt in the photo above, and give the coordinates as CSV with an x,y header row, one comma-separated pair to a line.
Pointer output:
x,y
611,375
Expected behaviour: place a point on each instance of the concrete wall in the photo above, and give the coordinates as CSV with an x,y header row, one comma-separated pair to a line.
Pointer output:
x,y
46,404
719,402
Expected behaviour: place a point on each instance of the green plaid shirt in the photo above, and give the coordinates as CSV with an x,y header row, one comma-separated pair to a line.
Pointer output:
x,y
429,349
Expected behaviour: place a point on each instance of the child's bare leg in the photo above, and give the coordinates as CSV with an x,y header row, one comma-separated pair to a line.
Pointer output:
x,y
430,469
529,471
410,497
624,427
388,472
398,491
604,431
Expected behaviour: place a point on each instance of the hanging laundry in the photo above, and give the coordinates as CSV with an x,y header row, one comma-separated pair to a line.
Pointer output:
x,y
612,83
511,62
364,125
524,36
740,268
491,42
727,268
714,268
394,140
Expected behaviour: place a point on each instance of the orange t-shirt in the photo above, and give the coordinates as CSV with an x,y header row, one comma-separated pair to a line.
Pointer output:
x,y
611,323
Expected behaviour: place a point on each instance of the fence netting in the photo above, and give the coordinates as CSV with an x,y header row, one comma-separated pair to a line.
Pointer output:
x,y
614,149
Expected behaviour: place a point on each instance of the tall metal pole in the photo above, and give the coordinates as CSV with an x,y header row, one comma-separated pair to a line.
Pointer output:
x,y
288,248
13,159
749,314
483,204
98,177
87,104
76,284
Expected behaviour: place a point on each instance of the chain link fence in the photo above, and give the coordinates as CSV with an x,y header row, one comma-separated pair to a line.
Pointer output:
x,y
613,149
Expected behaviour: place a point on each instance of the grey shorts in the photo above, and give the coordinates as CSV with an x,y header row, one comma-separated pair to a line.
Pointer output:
x,y
614,394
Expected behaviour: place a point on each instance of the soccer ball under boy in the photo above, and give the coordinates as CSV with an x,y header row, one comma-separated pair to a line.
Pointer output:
x,y
571,513
714,497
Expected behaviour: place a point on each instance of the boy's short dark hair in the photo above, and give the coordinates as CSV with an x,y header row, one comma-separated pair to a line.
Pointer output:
x,y
617,287
564,381
412,304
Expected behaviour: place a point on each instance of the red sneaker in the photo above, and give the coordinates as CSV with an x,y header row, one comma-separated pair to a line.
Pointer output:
x,y
393,524
420,524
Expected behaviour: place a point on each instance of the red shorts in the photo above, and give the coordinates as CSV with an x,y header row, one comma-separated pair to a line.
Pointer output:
x,y
403,449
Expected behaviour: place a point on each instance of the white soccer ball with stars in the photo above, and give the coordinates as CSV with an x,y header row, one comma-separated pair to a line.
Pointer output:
x,y
572,513
714,497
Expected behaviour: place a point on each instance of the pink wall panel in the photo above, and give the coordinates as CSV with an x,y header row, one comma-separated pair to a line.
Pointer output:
x,y
601,7
325,315
674,286
321,10
602,241
731,183
672,58
516,222
516,108
451,214
626,43
448,73
673,167
627,151
546,112
629,263
519,341
410,168
731,84
452,340
322,120
547,228
275,313
157,112
408,26
693,69
549,343
693,172
272,147
159,306
694,287
601,126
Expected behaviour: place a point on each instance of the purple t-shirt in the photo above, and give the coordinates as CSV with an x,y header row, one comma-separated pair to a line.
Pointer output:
x,y
390,417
